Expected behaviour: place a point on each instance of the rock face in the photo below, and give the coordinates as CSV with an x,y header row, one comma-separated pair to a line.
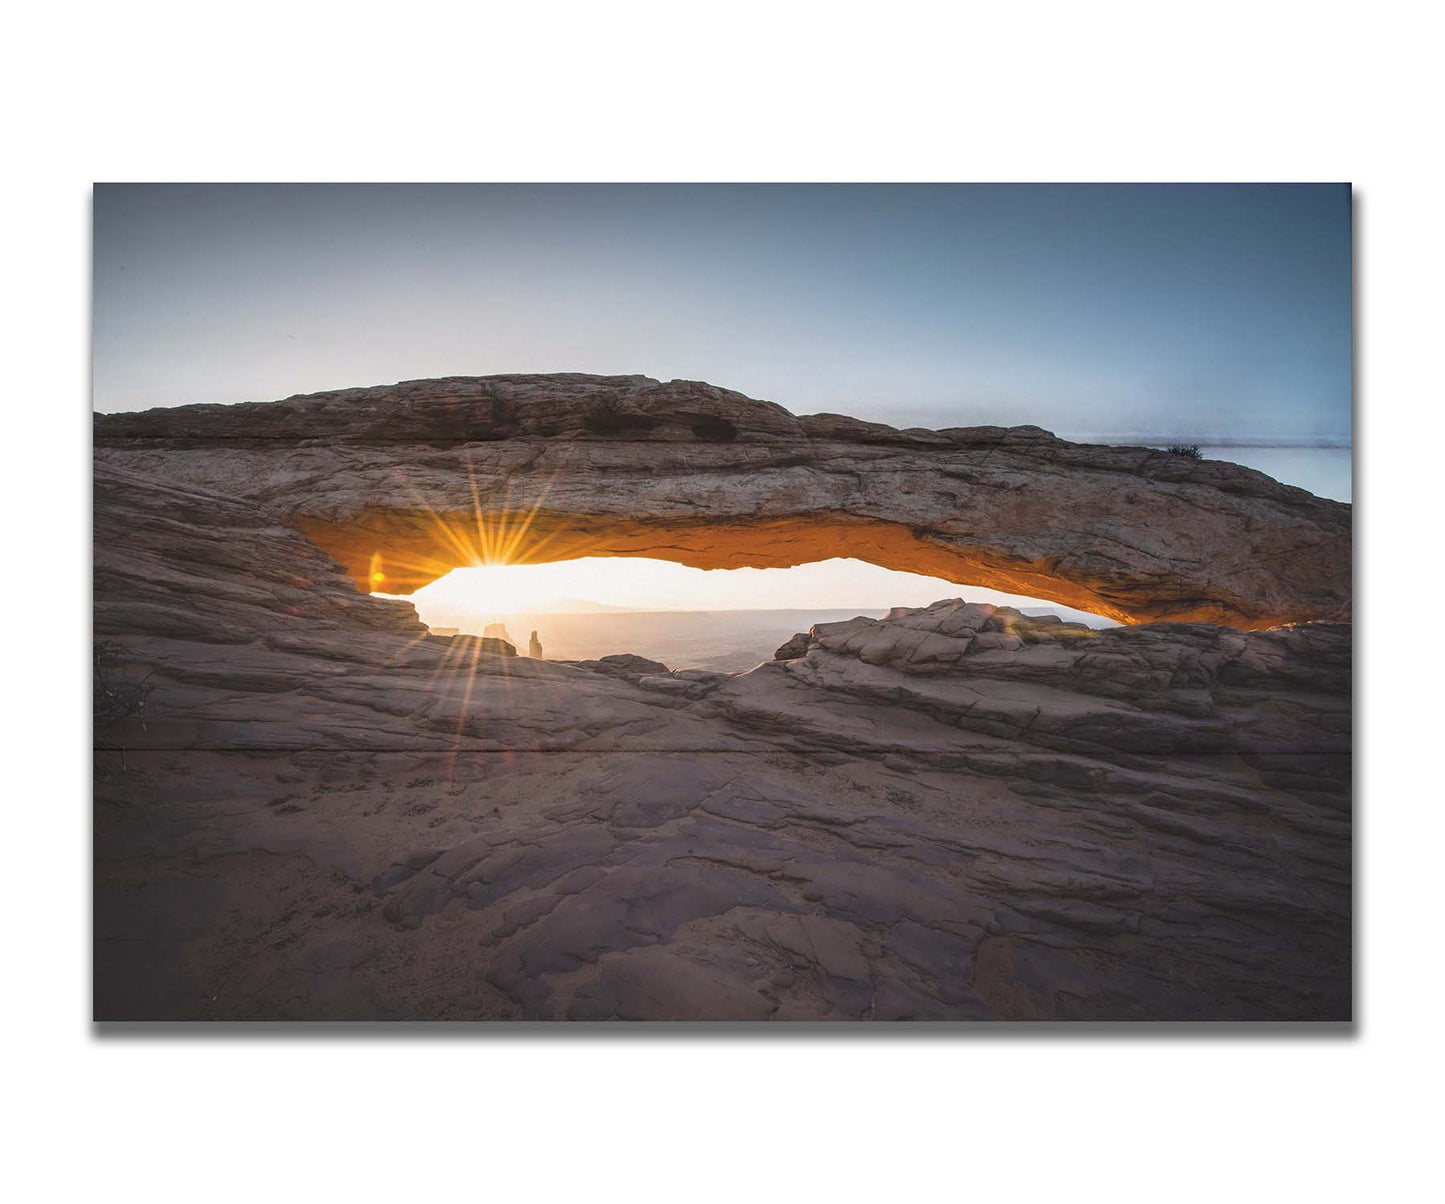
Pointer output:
x,y
401,484
499,632
955,812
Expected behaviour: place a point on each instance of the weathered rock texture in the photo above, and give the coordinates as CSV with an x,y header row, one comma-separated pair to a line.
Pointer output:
x,y
952,813
402,484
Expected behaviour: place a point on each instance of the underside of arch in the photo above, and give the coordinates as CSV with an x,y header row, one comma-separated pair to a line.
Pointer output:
x,y
397,551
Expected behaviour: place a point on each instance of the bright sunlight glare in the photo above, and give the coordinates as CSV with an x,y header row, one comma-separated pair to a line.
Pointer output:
x,y
604,583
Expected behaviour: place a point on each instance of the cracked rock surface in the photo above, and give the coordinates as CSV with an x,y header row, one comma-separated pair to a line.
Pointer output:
x,y
955,812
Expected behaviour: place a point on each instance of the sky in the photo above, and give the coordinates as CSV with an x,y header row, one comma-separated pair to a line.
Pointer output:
x,y
1207,312
471,597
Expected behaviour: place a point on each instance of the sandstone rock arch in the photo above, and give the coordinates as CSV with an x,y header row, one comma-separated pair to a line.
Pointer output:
x,y
1154,818
403,483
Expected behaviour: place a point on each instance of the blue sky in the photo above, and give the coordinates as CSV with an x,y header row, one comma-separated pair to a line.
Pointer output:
x,y
1090,309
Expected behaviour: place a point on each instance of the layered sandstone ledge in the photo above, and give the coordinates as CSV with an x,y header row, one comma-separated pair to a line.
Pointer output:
x,y
403,483
953,813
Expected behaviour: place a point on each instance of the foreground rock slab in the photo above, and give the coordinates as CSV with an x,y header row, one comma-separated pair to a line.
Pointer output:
x,y
955,812
714,886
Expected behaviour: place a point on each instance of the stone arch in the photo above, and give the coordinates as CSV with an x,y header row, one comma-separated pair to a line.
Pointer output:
x,y
403,483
